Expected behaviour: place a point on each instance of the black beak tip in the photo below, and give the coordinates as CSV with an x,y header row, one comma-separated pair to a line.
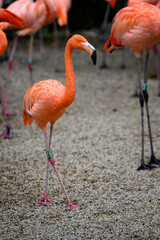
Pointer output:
x,y
94,57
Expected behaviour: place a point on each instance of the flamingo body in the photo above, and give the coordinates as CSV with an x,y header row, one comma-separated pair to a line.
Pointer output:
x,y
42,102
136,28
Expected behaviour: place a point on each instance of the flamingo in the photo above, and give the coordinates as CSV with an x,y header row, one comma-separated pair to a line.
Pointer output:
x,y
35,14
6,16
46,101
138,28
155,49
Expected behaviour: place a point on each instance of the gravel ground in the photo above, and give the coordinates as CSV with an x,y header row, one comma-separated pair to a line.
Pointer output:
x,y
97,149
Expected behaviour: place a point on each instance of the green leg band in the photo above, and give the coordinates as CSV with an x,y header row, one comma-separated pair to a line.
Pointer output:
x,y
144,86
49,154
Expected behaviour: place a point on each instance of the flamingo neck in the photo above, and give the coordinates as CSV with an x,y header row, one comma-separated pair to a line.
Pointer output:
x,y
70,89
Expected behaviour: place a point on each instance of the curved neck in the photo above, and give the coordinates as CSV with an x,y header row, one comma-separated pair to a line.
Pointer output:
x,y
70,89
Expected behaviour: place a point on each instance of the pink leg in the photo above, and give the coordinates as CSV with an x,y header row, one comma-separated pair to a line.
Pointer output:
x,y
155,50
10,61
45,201
8,131
70,204
52,161
41,43
30,67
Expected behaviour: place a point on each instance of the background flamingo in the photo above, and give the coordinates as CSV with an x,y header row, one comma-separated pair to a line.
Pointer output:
x,y
155,48
138,28
47,101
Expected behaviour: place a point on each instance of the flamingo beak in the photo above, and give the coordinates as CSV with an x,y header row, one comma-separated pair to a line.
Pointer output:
x,y
91,50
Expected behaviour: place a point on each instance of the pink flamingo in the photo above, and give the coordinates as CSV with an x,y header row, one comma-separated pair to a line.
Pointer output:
x,y
35,15
138,28
155,49
46,101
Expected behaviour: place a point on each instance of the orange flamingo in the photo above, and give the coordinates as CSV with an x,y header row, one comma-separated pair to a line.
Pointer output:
x,y
46,101
6,16
138,28
35,15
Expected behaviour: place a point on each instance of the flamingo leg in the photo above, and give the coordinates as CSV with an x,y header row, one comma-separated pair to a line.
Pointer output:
x,y
41,42
143,166
136,91
103,30
30,67
52,161
8,131
67,32
153,159
45,200
155,50
10,63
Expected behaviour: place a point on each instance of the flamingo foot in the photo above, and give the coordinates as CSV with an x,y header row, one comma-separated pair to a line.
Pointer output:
x,y
154,160
73,206
145,167
44,201
7,133
135,95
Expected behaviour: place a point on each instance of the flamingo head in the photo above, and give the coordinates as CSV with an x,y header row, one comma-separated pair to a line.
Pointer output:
x,y
79,42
